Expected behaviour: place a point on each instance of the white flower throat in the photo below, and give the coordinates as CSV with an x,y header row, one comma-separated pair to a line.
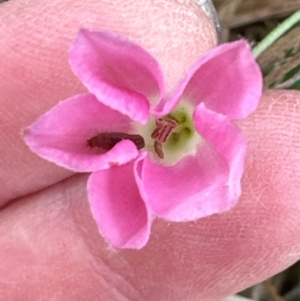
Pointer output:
x,y
171,137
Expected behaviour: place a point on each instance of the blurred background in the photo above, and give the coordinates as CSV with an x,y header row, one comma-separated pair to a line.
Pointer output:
x,y
253,20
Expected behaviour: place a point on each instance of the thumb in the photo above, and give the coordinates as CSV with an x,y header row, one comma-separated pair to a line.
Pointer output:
x,y
35,75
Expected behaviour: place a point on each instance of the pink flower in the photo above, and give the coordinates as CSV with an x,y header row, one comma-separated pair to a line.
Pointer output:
x,y
174,156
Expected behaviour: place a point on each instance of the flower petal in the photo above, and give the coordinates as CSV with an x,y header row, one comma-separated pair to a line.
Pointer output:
x,y
194,187
228,140
61,134
121,74
200,185
118,208
227,79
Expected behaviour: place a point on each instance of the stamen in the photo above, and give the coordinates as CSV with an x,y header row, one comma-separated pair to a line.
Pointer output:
x,y
158,149
108,140
164,128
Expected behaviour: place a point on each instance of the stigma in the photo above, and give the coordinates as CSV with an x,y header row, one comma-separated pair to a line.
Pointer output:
x,y
107,140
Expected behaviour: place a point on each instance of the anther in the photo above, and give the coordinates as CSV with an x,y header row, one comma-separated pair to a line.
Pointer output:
x,y
158,149
162,132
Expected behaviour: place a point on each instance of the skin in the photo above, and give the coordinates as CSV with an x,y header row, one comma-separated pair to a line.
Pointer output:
x,y
50,246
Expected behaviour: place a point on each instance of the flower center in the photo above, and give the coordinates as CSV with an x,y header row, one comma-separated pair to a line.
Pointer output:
x,y
170,138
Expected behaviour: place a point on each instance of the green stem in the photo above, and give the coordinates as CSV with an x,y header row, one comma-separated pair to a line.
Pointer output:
x,y
276,33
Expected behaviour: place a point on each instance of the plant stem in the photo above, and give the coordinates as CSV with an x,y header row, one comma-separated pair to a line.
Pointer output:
x,y
276,33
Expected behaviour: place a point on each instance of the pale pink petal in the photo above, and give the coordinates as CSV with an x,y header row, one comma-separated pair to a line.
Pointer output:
x,y
194,187
117,207
121,74
228,140
227,79
61,134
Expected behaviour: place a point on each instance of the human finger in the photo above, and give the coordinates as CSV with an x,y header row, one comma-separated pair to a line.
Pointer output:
x,y
35,75
51,248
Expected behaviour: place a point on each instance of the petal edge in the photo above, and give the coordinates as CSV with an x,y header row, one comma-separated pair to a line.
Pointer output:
x,y
118,209
121,74
60,135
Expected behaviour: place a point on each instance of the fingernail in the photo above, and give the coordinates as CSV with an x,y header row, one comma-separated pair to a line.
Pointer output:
x,y
211,12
